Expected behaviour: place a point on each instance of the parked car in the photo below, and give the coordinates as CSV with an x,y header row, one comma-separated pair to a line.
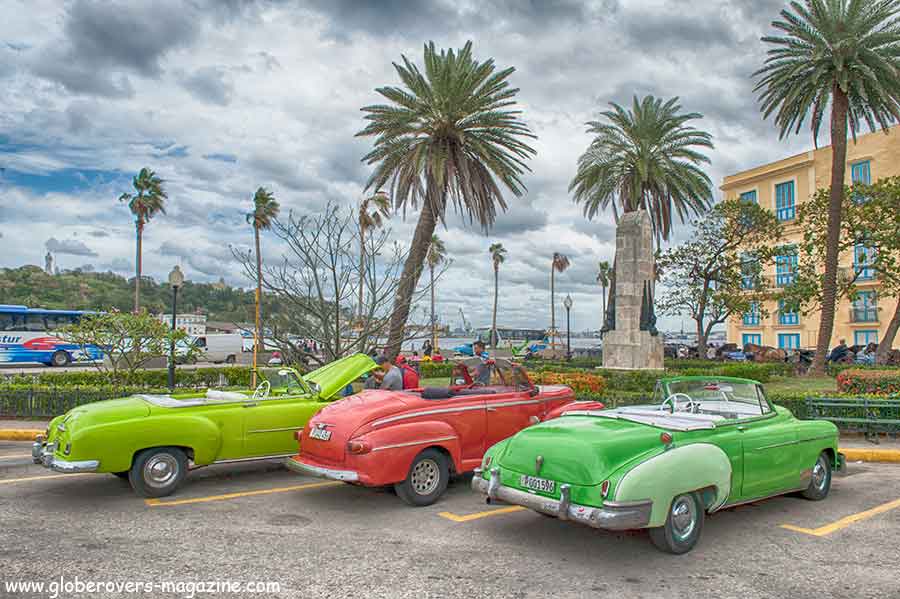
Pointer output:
x,y
415,439
153,440
707,443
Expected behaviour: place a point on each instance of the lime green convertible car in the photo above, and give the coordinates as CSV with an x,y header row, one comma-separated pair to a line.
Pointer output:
x,y
154,440
705,444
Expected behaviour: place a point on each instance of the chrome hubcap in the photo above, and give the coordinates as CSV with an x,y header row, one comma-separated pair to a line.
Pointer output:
x,y
819,475
160,470
425,477
684,517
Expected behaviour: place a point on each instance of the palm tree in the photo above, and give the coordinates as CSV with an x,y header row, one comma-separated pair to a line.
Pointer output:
x,y
559,263
265,210
437,253
149,201
452,136
498,256
842,53
604,271
645,159
373,211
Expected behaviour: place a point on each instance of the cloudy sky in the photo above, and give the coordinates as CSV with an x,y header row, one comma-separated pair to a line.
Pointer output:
x,y
222,96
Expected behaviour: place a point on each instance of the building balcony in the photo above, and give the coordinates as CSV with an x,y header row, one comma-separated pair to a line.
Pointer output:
x,y
860,315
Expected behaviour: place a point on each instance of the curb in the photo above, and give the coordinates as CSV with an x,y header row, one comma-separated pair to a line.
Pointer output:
x,y
871,455
19,434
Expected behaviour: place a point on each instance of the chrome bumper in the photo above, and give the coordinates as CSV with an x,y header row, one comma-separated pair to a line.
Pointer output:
x,y
42,453
301,468
614,515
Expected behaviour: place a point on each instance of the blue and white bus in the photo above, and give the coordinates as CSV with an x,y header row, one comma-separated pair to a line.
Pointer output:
x,y
26,335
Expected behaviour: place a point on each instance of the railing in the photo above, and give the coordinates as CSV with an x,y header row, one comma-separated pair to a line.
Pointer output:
x,y
869,314
870,416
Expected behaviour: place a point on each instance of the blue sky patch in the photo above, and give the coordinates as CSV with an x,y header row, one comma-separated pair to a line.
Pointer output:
x,y
62,181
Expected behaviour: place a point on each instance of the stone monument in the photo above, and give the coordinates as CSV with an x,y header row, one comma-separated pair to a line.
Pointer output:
x,y
630,338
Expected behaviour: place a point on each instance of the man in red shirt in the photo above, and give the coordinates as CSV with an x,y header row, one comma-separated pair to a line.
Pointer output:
x,y
410,376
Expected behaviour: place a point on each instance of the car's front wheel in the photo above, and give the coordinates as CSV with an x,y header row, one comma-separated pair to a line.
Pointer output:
x,y
60,358
820,480
683,526
427,479
158,472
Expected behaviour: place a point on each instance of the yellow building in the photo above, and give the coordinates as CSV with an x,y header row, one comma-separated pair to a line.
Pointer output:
x,y
781,187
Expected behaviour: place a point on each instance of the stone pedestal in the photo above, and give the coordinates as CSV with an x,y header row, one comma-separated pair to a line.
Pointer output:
x,y
631,340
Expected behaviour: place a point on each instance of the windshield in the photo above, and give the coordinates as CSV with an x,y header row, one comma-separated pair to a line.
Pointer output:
x,y
282,378
729,399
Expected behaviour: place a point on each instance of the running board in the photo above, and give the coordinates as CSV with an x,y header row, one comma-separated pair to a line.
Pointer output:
x,y
238,460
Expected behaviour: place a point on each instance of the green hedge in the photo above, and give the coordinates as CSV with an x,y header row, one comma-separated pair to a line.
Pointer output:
x,y
229,376
44,401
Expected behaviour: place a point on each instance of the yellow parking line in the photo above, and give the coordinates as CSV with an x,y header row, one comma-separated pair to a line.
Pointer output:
x,y
477,515
226,496
824,531
46,477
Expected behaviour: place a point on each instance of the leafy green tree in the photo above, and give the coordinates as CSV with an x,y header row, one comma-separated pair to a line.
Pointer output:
x,y
373,211
129,341
559,263
498,256
717,273
645,158
452,135
869,221
841,54
265,211
148,201
604,272
437,254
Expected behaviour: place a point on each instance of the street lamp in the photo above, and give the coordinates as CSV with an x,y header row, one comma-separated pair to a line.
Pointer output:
x,y
568,304
176,280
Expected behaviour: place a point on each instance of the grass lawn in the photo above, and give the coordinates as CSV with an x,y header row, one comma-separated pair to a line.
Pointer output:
x,y
801,384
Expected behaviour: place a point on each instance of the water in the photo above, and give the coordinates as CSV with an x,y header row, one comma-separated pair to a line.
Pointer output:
x,y
448,343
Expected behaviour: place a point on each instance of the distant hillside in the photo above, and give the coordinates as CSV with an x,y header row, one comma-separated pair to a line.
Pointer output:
x,y
79,290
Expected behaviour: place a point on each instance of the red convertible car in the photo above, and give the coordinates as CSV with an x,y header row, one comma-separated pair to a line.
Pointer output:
x,y
415,439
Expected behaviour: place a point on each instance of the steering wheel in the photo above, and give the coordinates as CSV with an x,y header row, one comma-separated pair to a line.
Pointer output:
x,y
262,390
673,400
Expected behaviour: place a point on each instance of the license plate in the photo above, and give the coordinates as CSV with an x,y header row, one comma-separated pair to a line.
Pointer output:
x,y
320,433
537,484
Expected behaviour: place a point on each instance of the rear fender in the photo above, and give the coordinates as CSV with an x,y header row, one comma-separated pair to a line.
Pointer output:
x,y
116,444
695,467
394,448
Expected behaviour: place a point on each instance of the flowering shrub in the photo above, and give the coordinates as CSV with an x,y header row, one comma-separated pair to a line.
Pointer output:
x,y
580,382
878,382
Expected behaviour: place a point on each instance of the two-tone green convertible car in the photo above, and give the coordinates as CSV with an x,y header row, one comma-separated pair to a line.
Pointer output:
x,y
707,443
154,440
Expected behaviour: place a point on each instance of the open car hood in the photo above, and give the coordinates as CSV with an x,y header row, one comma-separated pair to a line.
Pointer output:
x,y
330,379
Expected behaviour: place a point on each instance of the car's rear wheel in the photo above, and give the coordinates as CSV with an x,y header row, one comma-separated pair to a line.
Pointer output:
x,y
683,526
427,479
230,359
158,472
60,358
820,481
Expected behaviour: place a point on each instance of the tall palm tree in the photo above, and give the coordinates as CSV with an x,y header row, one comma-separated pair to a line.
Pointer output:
x,y
604,271
437,253
373,211
498,256
265,210
559,263
843,54
452,136
148,201
645,158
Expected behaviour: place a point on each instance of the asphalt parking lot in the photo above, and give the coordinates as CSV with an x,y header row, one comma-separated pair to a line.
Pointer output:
x,y
259,522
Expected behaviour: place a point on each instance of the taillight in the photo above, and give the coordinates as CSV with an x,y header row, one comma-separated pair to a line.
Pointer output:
x,y
666,438
486,462
298,434
604,489
357,447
